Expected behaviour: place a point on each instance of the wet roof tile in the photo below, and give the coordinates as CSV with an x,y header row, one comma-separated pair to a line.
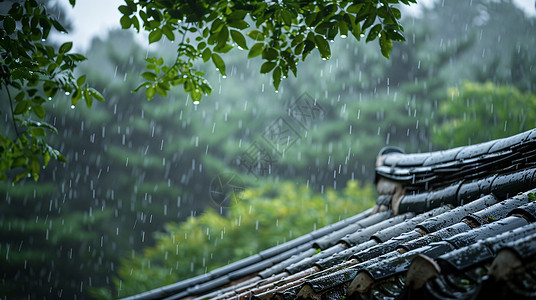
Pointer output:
x,y
454,212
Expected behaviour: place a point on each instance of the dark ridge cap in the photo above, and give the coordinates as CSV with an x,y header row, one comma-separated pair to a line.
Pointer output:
x,y
532,136
310,261
264,264
508,142
408,225
486,231
390,267
455,215
332,238
180,295
465,258
406,160
527,211
482,251
281,248
276,250
364,234
435,236
501,185
171,289
498,210
235,266
507,185
444,156
280,267
393,265
525,247
332,280
208,286
338,258
336,276
385,247
443,168
474,189
423,202
475,150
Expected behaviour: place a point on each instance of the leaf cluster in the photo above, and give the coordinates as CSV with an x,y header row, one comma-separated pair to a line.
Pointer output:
x,y
281,33
37,72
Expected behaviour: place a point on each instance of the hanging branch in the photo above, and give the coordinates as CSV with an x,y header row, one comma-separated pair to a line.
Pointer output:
x,y
12,110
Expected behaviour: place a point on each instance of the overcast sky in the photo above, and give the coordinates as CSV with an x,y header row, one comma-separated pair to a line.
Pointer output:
x,y
92,18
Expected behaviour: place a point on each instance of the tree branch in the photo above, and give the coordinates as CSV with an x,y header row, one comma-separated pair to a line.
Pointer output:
x,y
12,110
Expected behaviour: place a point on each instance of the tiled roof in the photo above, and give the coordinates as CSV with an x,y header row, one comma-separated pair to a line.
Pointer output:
x,y
459,223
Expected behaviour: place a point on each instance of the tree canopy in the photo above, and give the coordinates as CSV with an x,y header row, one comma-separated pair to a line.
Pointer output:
x,y
282,33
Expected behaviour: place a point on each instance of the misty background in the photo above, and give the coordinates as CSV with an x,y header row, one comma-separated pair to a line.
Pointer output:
x,y
155,192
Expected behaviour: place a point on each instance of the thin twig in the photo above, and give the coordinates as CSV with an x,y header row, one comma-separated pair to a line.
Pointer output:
x,y
12,110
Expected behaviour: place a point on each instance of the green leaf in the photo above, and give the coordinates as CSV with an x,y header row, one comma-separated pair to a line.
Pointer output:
x,y
39,111
223,36
256,50
136,23
150,92
323,47
276,76
270,53
46,158
66,47
219,63
343,28
155,35
201,46
356,28
268,66
370,20
196,95
168,32
396,35
22,107
58,26
256,35
96,94
239,39
373,33
217,25
37,132
81,80
206,54
125,22
223,48
149,76
20,161
9,25
396,12
238,24
125,10
287,17
35,168
354,8
239,14
385,45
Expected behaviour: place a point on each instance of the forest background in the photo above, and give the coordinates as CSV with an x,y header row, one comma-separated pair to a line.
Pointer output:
x,y
139,203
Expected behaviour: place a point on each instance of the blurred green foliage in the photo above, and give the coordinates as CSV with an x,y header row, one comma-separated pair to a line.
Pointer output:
x,y
475,113
259,218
